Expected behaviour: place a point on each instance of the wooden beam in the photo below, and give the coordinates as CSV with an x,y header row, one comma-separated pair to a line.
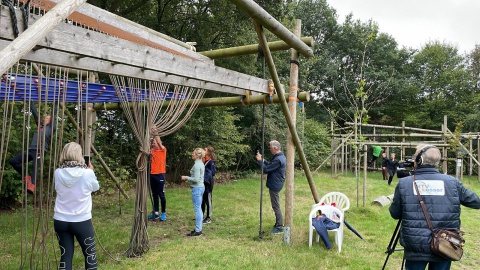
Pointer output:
x,y
265,19
103,21
251,49
72,46
217,102
32,36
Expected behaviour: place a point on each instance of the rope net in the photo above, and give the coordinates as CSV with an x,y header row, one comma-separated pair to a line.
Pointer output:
x,y
149,113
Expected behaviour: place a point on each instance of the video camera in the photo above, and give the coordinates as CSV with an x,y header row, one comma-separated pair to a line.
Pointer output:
x,y
405,168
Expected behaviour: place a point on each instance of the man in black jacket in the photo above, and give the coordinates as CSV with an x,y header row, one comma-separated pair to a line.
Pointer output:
x,y
275,170
442,194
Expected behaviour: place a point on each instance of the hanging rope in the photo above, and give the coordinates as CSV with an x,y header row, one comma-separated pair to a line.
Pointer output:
x,y
146,106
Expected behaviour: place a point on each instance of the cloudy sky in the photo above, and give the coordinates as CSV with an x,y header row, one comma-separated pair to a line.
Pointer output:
x,y
415,22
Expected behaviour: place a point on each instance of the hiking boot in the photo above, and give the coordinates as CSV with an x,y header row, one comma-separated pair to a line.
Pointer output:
x,y
153,217
276,231
163,217
207,220
194,233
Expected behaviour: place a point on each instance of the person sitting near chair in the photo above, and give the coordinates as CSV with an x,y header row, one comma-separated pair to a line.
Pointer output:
x,y
38,147
322,224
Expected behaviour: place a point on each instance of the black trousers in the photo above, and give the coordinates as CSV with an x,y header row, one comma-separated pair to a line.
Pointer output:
x,y
27,156
157,184
83,232
207,202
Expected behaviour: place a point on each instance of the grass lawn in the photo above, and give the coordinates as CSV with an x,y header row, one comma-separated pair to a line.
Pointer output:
x,y
232,240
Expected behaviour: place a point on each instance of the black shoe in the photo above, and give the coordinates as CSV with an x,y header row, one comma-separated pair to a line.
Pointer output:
x,y
194,233
207,220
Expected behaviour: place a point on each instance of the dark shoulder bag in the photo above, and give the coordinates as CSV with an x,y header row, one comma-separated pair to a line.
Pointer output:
x,y
446,243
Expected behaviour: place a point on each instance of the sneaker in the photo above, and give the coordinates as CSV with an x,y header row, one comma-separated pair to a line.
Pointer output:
x,y
30,186
276,231
194,233
163,217
153,217
207,220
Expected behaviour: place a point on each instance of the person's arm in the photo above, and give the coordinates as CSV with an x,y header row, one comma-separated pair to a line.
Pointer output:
x,y
196,176
468,198
271,166
34,112
396,206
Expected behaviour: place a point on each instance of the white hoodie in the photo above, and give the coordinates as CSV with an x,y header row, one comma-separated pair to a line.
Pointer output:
x,y
74,187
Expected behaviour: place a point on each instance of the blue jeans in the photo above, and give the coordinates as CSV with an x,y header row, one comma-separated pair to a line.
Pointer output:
x,y
197,195
322,226
418,265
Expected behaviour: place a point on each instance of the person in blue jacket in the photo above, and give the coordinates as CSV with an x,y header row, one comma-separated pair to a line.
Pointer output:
x,y
275,170
210,170
442,195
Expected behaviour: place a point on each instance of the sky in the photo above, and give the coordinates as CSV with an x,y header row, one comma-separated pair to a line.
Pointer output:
x,y
413,23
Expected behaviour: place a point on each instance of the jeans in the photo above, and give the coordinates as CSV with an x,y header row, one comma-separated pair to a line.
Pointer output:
x,y
418,265
275,200
83,232
197,194
157,184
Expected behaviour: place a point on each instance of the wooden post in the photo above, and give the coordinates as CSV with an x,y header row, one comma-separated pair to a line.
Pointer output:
x,y
32,36
478,158
470,160
445,139
292,108
355,159
364,176
286,114
263,18
251,49
402,154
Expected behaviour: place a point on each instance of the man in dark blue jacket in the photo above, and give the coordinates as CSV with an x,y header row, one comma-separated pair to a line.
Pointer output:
x,y
442,195
275,170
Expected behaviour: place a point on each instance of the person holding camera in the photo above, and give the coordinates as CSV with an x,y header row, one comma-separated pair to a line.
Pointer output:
x,y
275,170
72,219
442,195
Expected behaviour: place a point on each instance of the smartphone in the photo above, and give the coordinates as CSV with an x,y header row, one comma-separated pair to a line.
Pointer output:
x,y
87,160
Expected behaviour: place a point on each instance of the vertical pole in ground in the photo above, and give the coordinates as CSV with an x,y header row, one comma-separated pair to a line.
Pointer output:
x,y
290,150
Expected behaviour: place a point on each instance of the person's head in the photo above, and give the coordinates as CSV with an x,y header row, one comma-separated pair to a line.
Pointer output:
x,y
427,154
275,147
271,86
72,151
198,153
210,152
384,154
155,144
392,155
47,119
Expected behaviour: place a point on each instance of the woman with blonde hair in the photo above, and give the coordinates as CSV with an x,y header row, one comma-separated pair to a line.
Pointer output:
x,y
196,183
74,183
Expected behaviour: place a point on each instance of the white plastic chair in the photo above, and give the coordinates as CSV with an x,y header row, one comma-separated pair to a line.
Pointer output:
x,y
342,203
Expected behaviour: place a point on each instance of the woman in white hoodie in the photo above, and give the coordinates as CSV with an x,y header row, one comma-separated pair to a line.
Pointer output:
x,y
74,183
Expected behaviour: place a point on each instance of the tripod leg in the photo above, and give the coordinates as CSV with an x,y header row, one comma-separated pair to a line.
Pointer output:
x,y
393,243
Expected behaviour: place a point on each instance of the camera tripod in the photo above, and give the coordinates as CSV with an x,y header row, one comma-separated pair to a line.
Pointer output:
x,y
393,243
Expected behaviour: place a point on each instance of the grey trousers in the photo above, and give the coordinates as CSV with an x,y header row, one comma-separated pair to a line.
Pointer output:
x,y
275,200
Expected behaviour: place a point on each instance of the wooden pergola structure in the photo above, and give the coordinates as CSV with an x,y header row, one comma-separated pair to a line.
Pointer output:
x,y
347,147
74,34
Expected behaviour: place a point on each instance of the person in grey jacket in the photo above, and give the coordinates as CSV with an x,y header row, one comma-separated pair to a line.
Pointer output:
x,y
197,174
275,170
442,194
